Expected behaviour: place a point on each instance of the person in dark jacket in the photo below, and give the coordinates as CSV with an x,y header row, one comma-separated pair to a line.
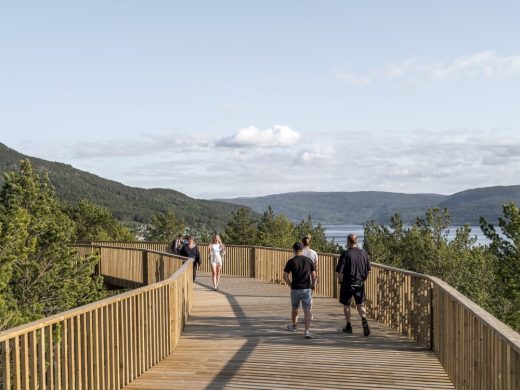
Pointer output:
x,y
352,272
191,250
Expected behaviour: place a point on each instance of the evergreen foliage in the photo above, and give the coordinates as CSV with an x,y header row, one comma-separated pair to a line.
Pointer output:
x,y
241,228
319,240
472,269
164,227
96,223
507,256
40,272
273,230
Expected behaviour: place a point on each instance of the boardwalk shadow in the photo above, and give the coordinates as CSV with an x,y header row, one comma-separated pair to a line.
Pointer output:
x,y
264,333
228,372
236,338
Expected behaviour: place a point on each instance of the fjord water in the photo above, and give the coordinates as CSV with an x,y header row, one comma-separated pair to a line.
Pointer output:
x,y
339,233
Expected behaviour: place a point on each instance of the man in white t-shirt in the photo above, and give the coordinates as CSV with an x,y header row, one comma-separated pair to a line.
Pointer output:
x,y
311,254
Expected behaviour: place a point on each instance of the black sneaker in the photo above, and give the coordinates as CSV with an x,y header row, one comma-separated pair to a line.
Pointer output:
x,y
348,328
366,329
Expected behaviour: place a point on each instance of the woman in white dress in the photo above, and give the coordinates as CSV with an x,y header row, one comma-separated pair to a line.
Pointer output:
x,y
216,251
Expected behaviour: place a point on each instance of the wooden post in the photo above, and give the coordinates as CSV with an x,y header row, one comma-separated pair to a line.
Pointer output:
x,y
431,340
173,309
6,363
161,269
99,268
252,262
16,365
145,268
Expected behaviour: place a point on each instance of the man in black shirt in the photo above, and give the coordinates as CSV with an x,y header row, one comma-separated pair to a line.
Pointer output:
x,y
300,274
352,271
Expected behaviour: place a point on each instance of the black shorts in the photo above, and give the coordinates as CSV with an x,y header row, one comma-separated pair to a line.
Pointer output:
x,y
347,292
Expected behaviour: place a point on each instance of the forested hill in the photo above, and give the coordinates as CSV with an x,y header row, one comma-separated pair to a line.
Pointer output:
x,y
359,207
126,203
339,207
470,205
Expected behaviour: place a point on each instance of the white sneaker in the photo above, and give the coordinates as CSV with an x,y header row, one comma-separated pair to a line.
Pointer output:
x,y
308,334
292,328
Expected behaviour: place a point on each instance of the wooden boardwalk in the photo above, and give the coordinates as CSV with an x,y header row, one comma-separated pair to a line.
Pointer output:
x,y
236,338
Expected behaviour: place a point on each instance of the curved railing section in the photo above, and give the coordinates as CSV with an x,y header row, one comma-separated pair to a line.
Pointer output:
x,y
476,349
106,344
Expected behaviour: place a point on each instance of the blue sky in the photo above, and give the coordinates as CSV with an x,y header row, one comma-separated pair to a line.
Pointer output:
x,y
229,98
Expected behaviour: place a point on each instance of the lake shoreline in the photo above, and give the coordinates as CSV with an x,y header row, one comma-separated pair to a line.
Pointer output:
x,y
339,233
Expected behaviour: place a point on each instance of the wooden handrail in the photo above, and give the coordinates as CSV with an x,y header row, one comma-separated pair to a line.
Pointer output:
x,y
85,245
476,349
38,324
501,329
105,344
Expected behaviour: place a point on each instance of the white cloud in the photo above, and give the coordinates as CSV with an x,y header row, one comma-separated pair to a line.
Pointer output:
x,y
480,65
147,145
438,161
413,160
315,154
251,136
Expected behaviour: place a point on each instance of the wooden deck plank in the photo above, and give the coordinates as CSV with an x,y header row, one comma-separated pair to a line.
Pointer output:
x,y
236,338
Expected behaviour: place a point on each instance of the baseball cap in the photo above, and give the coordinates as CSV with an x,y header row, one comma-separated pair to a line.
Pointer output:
x,y
298,246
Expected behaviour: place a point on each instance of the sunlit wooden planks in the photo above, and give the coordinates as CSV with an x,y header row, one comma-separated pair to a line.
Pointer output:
x,y
236,338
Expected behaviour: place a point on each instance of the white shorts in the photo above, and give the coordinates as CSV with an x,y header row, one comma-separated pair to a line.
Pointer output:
x,y
216,259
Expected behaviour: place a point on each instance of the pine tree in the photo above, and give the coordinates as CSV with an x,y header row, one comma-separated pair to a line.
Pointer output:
x,y
96,223
165,227
506,250
426,248
275,230
319,240
41,272
265,228
241,228
13,237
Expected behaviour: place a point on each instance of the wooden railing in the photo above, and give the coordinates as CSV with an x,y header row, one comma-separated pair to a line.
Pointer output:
x,y
106,344
477,350
134,266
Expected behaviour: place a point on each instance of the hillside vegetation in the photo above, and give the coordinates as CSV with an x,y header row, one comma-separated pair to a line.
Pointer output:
x,y
360,207
487,274
40,272
126,203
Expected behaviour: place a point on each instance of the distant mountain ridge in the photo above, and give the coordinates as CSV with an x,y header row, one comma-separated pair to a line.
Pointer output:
x,y
137,204
126,203
359,207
